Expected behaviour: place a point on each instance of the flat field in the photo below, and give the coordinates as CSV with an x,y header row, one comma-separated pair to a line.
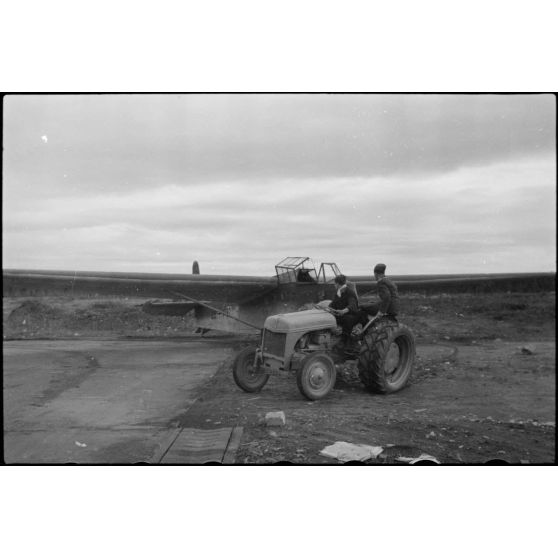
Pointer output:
x,y
483,388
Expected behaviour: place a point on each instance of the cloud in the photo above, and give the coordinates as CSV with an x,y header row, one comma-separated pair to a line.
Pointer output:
x,y
125,142
430,184
458,221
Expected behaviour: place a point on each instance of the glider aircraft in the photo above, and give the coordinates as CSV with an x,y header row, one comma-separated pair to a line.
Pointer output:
x,y
240,304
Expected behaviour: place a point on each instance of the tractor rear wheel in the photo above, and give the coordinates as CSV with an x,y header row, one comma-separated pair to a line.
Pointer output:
x,y
316,376
386,357
246,376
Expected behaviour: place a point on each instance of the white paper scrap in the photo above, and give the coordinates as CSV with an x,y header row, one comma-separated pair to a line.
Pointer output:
x,y
413,460
344,451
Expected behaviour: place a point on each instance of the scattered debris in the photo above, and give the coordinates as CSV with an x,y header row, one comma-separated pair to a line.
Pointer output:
x,y
276,418
420,410
273,434
421,457
345,451
431,434
527,350
516,423
524,461
80,444
424,308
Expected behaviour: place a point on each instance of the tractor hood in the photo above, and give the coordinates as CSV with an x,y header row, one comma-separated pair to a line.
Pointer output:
x,y
307,320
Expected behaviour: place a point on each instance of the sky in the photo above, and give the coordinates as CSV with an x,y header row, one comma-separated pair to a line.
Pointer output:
x,y
149,183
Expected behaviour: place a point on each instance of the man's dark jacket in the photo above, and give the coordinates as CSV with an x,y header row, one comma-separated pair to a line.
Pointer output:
x,y
389,297
347,299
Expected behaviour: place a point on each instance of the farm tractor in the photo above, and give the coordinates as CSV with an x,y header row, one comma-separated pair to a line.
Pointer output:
x,y
308,343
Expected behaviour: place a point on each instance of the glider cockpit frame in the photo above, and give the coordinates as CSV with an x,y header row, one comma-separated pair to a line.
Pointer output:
x,y
302,270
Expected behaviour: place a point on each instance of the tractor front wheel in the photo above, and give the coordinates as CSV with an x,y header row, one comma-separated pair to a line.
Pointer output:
x,y
316,376
246,376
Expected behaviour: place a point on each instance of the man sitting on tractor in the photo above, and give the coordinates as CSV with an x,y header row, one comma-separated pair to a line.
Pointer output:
x,y
389,297
344,307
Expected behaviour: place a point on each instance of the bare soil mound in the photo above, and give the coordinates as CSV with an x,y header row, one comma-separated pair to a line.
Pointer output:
x,y
59,318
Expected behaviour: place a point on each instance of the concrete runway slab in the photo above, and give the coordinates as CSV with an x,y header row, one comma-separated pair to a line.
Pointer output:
x,y
100,401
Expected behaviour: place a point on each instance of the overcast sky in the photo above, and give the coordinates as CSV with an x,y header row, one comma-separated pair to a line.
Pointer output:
x,y
424,183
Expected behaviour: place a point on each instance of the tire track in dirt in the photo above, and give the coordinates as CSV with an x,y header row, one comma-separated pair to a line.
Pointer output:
x,y
71,376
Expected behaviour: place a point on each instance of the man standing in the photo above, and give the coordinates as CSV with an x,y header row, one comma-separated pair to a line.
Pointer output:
x,y
387,291
345,307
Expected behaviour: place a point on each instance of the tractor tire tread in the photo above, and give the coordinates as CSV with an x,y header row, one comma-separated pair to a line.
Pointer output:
x,y
375,346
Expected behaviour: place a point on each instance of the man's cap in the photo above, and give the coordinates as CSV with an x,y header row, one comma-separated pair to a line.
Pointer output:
x,y
340,279
380,268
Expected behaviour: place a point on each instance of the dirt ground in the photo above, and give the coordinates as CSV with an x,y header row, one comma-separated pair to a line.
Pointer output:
x,y
483,387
